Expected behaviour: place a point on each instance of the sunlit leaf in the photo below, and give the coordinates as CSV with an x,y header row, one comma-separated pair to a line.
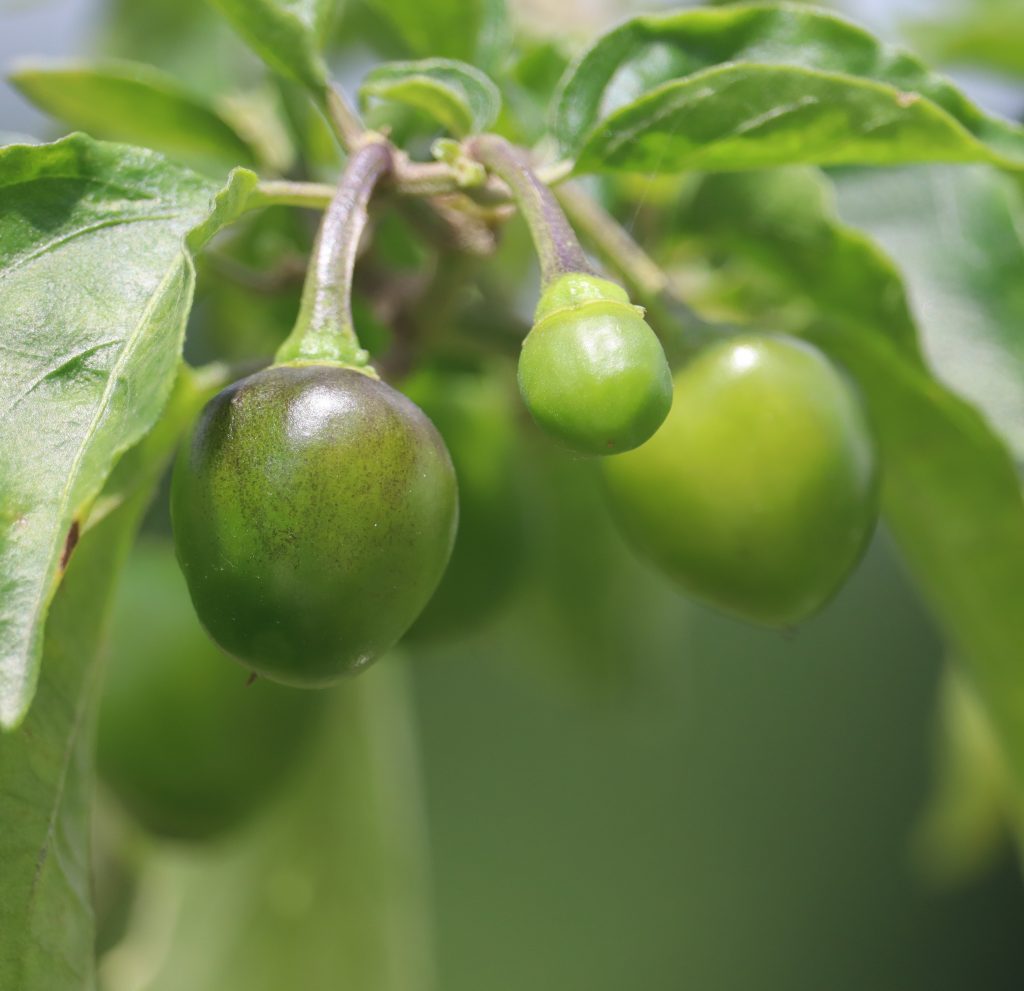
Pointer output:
x,y
753,86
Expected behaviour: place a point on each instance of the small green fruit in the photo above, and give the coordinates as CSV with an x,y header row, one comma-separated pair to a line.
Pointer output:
x,y
759,493
592,372
185,745
314,510
474,413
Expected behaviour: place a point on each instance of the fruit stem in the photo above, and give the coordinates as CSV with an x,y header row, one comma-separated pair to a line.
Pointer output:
x,y
342,118
681,329
324,330
557,246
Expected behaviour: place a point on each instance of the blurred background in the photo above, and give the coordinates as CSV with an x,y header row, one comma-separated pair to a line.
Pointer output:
x,y
620,789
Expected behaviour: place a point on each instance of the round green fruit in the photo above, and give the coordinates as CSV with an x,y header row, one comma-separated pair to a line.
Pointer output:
x,y
475,415
182,741
314,510
592,372
759,493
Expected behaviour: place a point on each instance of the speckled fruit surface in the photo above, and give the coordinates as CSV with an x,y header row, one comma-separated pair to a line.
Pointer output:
x,y
314,510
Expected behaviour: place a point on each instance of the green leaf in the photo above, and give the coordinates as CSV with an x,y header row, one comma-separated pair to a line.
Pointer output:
x,y
128,101
987,34
957,235
471,30
459,97
527,85
951,495
46,766
287,34
778,252
953,501
963,828
97,286
760,85
326,889
46,774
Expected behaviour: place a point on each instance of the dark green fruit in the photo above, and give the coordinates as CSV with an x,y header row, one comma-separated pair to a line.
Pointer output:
x,y
475,415
183,742
314,510
592,372
759,493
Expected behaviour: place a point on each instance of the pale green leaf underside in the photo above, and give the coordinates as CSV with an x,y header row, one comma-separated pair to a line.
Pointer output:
x,y
287,34
951,495
459,97
133,102
957,234
759,85
46,777
97,284
770,245
46,765
953,501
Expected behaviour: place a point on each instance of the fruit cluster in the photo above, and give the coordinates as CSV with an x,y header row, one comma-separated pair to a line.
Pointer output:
x,y
316,508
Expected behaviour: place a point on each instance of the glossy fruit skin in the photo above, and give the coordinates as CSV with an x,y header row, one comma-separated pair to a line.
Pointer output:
x,y
182,741
476,416
592,372
759,493
314,510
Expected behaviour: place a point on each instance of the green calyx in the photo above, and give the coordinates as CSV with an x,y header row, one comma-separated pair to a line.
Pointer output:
x,y
325,346
592,372
360,363
577,289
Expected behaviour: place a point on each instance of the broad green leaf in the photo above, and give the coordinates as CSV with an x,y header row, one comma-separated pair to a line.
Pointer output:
x,y
527,86
97,284
327,889
950,492
779,253
964,826
471,30
957,234
46,766
989,33
287,34
759,85
953,501
459,97
187,38
128,101
46,776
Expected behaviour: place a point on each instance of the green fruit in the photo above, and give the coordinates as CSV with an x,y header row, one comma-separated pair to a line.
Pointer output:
x,y
592,372
475,417
183,742
759,493
314,509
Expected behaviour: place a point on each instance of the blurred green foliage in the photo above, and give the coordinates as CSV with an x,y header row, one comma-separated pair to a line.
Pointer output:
x,y
623,790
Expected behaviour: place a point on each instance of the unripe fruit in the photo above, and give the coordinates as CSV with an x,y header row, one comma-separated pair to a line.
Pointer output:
x,y
314,510
592,372
759,493
185,745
